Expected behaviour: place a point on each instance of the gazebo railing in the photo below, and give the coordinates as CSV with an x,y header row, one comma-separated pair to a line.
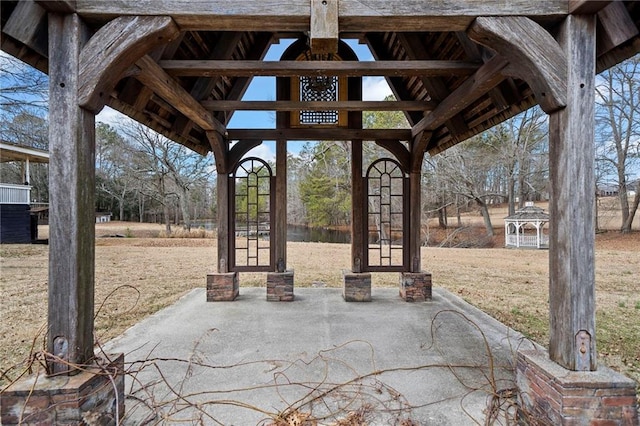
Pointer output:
x,y
527,241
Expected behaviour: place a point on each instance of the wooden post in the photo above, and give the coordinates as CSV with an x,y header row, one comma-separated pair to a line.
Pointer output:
x,y
572,234
71,202
223,183
415,224
280,210
358,221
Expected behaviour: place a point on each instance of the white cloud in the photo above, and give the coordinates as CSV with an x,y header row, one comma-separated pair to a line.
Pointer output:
x,y
266,151
375,89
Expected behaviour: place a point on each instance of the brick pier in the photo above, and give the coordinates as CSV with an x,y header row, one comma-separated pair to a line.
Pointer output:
x,y
280,286
356,286
557,396
94,396
222,287
415,286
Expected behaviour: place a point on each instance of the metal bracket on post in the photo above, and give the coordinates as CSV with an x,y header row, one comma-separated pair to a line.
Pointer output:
x,y
583,351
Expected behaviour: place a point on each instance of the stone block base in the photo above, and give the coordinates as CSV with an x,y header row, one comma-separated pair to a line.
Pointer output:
x,y
280,286
553,395
356,286
415,286
222,287
87,398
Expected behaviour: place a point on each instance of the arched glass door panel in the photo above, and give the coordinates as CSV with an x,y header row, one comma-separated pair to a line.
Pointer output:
x,y
387,209
252,218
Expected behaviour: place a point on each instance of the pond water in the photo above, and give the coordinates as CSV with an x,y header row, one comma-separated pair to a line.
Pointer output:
x,y
300,233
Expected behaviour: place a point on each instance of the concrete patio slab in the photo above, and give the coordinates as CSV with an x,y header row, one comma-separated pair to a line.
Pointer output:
x,y
247,361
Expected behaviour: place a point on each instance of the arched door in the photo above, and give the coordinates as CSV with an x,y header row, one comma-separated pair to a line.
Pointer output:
x,y
252,219
386,222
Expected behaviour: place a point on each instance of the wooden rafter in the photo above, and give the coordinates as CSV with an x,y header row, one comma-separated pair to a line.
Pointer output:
x,y
486,78
154,77
199,68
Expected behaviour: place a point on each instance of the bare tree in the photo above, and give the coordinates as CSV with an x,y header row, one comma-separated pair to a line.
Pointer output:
x,y
169,170
618,131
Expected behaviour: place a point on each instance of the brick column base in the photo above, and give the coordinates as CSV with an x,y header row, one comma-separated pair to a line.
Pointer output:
x,y
415,286
356,286
89,397
222,287
557,396
280,286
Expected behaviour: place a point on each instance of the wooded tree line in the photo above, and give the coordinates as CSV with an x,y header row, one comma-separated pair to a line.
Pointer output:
x,y
140,175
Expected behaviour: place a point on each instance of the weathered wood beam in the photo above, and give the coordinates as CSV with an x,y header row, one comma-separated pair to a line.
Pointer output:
x,y
617,27
200,68
533,53
154,77
293,15
58,6
27,24
486,78
113,49
319,134
323,35
317,105
572,334
71,203
587,7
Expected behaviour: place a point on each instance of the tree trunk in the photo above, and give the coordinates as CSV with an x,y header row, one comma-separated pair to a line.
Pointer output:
x,y
628,223
511,194
485,215
624,202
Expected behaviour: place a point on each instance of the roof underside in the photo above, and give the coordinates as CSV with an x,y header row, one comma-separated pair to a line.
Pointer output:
x,y
233,33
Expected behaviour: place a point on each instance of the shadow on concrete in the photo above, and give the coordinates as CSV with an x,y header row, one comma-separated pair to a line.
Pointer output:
x,y
387,361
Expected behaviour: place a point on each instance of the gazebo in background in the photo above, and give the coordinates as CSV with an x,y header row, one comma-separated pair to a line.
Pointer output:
x,y
525,228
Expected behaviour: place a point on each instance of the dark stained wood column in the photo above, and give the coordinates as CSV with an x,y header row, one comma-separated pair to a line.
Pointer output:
x,y
71,201
571,246
222,184
280,239
358,225
415,224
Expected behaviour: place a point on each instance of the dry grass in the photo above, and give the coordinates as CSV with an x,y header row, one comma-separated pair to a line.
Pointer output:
x,y
511,285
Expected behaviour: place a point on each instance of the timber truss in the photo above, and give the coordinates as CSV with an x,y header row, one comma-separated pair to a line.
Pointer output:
x,y
456,68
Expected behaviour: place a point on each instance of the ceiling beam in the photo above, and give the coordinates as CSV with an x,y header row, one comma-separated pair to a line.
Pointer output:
x,y
485,79
353,15
58,6
200,68
317,105
154,77
587,7
318,134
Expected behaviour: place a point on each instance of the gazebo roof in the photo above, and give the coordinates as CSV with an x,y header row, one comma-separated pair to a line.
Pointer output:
x,y
445,74
528,214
